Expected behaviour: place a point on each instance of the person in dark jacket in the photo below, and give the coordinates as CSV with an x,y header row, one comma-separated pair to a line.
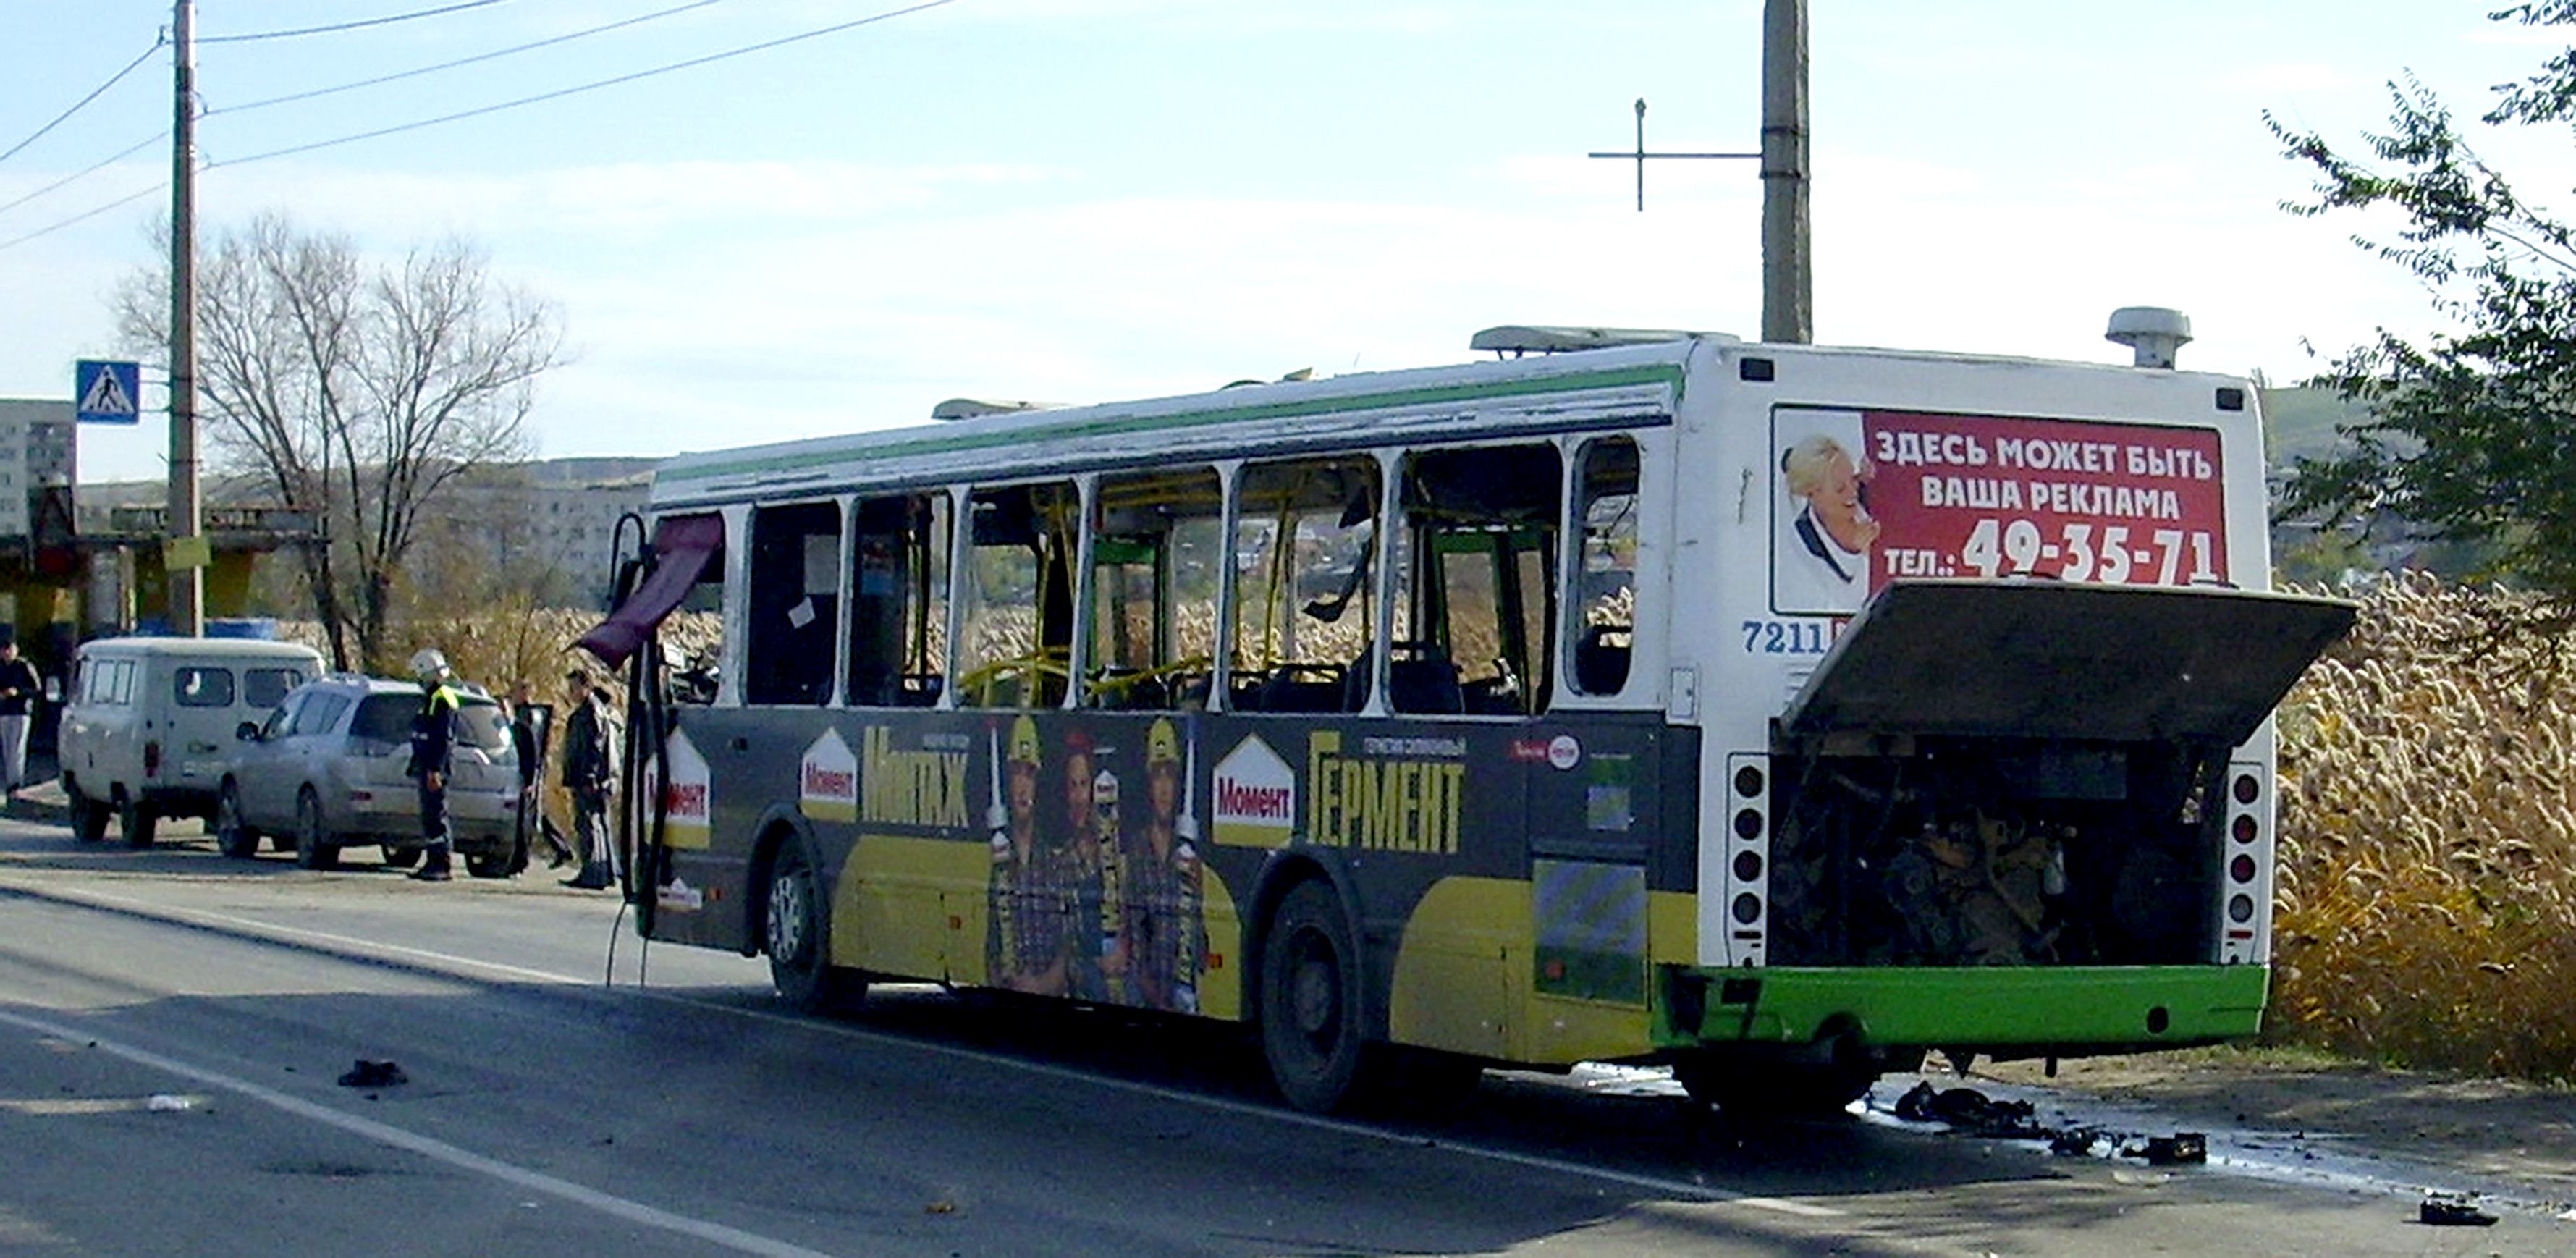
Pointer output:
x,y
19,690
589,767
433,750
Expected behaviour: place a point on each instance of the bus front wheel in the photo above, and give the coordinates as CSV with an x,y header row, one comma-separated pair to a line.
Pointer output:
x,y
795,929
1310,1007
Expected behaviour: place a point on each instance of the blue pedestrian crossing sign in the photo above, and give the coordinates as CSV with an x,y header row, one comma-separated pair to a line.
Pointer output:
x,y
108,393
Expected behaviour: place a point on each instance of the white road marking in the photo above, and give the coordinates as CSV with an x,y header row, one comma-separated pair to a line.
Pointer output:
x,y
370,949
386,1133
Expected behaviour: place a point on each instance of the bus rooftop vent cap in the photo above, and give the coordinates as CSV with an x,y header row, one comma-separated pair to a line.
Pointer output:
x,y
2153,333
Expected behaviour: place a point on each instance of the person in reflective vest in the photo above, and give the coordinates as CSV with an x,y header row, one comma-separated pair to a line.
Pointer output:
x,y
433,748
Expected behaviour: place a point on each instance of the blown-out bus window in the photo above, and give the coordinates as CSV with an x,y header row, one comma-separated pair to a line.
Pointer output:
x,y
794,600
1476,592
1304,550
1155,542
1604,600
1017,626
899,601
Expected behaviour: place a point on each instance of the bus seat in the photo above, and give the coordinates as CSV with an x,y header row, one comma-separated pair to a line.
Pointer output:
x,y
1425,685
1600,665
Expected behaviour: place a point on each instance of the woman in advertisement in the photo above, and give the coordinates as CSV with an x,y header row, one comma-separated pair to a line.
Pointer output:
x,y
1821,558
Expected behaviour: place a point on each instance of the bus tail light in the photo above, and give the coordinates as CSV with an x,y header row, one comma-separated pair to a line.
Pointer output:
x,y
1735,864
152,758
2245,890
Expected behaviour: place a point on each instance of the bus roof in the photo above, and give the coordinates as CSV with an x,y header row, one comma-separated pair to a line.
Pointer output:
x,y
1623,385
1604,387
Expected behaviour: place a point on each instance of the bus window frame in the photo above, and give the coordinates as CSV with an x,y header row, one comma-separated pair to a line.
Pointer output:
x,y
1574,542
962,580
738,670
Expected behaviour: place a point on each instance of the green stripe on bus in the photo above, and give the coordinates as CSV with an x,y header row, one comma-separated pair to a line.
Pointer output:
x,y
1988,1007
1652,373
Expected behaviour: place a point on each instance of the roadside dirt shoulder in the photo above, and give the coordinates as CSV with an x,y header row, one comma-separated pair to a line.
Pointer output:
x,y
2489,1130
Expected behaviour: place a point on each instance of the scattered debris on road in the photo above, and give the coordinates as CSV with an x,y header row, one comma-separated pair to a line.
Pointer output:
x,y
2449,1210
373,1074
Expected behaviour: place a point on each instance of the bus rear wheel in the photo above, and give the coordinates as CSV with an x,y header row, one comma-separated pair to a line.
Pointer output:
x,y
1310,1007
795,931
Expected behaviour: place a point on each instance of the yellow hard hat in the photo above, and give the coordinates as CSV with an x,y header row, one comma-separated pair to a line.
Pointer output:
x,y
1024,741
1162,744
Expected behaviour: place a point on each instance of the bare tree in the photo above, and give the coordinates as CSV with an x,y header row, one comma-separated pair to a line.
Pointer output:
x,y
355,392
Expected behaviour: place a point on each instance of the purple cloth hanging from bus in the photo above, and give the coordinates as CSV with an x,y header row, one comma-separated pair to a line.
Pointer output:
x,y
681,547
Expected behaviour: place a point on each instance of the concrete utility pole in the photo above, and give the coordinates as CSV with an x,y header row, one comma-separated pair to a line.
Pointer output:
x,y
186,583
1788,284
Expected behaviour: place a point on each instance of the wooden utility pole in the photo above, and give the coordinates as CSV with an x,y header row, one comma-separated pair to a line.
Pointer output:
x,y
184,570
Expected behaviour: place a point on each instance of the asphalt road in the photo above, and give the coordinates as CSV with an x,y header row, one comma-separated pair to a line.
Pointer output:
x,y
172,1026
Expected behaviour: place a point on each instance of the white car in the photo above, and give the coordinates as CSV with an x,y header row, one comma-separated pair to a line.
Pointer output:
x,y
328,769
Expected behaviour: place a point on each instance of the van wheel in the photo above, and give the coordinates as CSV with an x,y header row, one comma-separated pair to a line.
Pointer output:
x,y
1310,1000
89,817
796,933
232,835
134,821
313,846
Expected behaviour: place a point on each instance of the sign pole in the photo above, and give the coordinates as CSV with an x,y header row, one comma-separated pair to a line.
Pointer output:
x,y
185,574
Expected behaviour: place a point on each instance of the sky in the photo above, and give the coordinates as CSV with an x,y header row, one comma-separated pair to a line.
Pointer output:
x,y
1090,200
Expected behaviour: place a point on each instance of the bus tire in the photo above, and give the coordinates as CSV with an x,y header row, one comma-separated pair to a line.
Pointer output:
x,y
1311,1028
796,933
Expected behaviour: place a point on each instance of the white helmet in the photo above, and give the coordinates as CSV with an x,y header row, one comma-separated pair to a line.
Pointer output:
x,y
428,665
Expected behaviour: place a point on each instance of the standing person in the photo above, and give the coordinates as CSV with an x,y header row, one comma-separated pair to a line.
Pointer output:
x,y
588,767
19,690
433,747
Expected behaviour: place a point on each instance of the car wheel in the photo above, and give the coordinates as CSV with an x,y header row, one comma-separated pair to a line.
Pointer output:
x,y
232,834
402,857
89,816
1310,1000
313,846
488,864
134,821
796,932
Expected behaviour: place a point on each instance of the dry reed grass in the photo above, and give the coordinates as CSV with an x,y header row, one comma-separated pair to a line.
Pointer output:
x,y
2426,914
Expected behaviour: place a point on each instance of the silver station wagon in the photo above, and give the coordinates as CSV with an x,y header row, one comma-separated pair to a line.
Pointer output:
x,y
326,771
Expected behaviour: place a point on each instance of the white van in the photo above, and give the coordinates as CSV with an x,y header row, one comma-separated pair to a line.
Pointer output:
x,y
147,723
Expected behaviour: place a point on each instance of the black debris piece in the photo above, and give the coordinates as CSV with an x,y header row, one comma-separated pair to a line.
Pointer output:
x,y
1969,1110
373,1074
2446,1211
2183,1148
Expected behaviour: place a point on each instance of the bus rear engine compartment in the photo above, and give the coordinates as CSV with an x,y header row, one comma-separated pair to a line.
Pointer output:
x,y
1899,851
2033,773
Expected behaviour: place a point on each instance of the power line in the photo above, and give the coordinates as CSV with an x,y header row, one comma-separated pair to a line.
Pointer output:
x,y
112,80
348,26
586,87
102,164
83,216
462,61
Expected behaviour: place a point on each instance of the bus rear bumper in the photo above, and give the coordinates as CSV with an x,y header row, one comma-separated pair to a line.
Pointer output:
x,y
2070,1008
